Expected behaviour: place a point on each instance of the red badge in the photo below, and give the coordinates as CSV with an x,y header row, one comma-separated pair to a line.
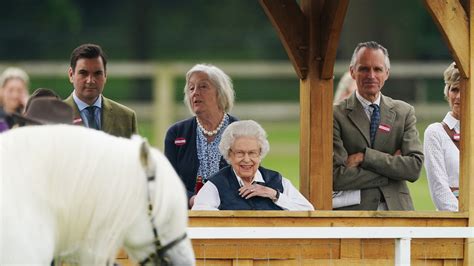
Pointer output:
x,y
385,128
180,141
457,137
77,121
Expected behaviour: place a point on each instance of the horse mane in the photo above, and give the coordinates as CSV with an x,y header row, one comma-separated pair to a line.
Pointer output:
x,y
91,183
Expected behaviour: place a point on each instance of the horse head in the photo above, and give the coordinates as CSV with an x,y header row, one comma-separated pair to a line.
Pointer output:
x,y
158,237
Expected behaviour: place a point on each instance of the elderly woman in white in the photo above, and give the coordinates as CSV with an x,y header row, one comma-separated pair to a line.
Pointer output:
x,y
245,185
441,147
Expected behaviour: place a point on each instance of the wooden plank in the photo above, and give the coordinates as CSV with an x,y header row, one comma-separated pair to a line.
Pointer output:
x,y
212,262
338,214
467,145
350,248
452,22
239,262
445,248
332,18
453,220
272,249
291,25
342,222
452,262
263,249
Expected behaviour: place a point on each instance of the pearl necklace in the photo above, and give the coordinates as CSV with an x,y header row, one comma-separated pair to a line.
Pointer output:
x,y
213,132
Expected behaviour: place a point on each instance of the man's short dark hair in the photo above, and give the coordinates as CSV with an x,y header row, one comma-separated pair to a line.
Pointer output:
x,y
89,51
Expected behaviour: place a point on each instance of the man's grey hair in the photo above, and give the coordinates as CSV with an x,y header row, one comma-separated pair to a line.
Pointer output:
x,y
219,79
244,128
370,45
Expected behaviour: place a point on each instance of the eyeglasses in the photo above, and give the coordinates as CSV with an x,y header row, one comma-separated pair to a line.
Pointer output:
x,y
241,154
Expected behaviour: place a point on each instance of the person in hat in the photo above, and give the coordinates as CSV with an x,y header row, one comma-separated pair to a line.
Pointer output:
x,y
41,92
46,111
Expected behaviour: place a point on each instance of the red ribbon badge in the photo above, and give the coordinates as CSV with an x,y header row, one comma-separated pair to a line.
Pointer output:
x,y
77,121
179,141
457,137
385,128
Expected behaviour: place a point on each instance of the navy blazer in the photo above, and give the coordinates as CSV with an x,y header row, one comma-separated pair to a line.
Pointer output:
x,y
181,151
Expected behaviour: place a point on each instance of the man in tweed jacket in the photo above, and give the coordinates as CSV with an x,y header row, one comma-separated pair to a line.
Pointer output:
x,y
88,74
379,170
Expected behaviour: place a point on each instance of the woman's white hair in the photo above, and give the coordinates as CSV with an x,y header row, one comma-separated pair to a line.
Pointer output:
x,y
222,82
452,77
244,128
343,86
14,73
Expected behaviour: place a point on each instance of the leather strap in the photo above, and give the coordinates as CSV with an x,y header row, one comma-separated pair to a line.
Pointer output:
x,y
451,133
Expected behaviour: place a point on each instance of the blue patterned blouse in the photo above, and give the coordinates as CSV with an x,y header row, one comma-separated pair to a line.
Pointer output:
x,y
208,152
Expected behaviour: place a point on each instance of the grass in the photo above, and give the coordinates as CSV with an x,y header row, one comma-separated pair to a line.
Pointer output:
x,y
284,157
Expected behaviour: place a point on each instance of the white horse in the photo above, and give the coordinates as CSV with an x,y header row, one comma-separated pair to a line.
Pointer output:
x,y
78,195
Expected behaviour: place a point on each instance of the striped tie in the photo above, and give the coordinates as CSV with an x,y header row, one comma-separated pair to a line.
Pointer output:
x,y
374,123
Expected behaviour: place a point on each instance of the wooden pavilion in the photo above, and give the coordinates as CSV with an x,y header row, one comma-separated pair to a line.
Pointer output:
x,y
310,33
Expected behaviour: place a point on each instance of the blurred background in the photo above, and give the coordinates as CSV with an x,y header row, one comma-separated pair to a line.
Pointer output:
x,y
143,35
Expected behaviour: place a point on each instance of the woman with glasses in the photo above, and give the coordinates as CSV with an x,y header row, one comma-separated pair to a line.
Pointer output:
x,y
245,185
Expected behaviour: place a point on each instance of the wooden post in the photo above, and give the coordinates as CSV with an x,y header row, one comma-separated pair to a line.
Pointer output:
x,y
163,103
453,20
467,144
310,35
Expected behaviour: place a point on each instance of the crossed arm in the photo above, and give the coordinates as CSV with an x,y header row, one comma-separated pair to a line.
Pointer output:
x,y
369,168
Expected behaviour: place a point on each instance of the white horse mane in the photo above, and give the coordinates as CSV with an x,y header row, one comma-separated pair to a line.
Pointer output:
x,y
85,189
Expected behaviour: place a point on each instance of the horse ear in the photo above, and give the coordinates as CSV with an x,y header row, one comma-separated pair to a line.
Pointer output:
x,y
146,158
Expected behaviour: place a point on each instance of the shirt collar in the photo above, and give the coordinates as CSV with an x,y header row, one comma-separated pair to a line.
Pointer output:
x,y
82,105
452,122
258,178
365,103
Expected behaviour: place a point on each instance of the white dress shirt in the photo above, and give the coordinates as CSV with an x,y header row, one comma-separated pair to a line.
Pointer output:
x,y
442,163
291,199
366,104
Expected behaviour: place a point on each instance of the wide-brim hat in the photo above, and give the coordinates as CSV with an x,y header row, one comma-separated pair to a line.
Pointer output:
x,y
46,110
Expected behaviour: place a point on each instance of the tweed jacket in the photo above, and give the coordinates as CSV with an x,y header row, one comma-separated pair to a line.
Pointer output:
x,y
116,119
381,172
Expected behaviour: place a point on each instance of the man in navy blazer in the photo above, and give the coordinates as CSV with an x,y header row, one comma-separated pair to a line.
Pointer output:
x,y
380,168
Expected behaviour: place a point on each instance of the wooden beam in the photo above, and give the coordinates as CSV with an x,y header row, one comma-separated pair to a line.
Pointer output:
x,y
467,145
292,27
452,21
316,117
332,19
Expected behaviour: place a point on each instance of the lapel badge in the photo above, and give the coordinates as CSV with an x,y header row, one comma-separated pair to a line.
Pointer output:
x,y
385,128
179,141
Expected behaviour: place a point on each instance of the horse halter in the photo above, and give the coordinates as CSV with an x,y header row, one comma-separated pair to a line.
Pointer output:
x,y
158,257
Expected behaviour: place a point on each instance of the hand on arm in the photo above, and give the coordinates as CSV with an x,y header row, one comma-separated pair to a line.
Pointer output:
x,y
253,190
407,161
354,160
